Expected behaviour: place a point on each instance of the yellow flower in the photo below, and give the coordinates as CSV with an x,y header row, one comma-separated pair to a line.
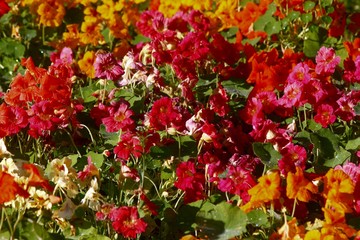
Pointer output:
x,y
313,235
298,187
86,64
51,13
71,38
91,33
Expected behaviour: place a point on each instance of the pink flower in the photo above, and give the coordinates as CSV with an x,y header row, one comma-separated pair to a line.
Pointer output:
x,y
326,61
300,73
119,117
237,181
107,67
64,57
325,115
126,221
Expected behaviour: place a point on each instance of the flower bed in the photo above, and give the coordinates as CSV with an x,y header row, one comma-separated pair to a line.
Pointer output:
x,y
179,119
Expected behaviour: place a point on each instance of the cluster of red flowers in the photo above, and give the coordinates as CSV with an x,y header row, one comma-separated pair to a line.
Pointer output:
x,y
41,99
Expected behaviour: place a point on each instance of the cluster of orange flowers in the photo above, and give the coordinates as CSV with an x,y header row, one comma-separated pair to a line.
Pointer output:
x,y
337,193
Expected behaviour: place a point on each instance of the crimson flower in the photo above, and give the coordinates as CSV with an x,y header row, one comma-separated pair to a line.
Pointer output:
x,y
4,8
126,221
219,102
300,73
9,188
43,119
119,117
163,114
237,181
325,115
326,61
89,171
129,145
107,67
293,156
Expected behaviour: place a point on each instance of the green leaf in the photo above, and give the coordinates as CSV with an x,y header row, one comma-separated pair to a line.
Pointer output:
x,y
29,230
306,17
313,40
11,47
260,24
222,221
353,144
96,158
325,3
272,27
309,5
258,218
268,155
326,143
294,15
340,157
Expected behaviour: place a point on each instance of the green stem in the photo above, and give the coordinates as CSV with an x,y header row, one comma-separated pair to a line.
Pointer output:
x,y
9,223
73,143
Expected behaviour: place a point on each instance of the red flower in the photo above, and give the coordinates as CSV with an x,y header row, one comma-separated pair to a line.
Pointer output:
x,y
126,221
190,181
43,119
4,8
119,117
325,115
293,156
36,178
89,171
12,120
129,145
9,188
163,114
219,102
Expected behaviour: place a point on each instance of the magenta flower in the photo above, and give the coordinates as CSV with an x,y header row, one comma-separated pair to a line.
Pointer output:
x,y
107,67
300,73
326,61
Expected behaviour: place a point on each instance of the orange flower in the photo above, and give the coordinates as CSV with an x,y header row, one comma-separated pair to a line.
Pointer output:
x,y
298,187
290,230
51,13
339,188
266,190
9,188
36,178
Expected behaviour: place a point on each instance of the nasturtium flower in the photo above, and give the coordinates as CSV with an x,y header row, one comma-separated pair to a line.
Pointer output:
x,y
4,8
298,187
107,67
125,221
119,117
267,189
86,64
129,145
10,188
51,13
326,61
325,115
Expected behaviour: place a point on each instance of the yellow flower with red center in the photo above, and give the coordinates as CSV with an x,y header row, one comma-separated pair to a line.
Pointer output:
x,y
86,64
298,187
51,13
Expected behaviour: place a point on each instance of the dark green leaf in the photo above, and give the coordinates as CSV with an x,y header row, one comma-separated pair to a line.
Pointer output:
x,y
268,155
272,27
325,142
222,221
